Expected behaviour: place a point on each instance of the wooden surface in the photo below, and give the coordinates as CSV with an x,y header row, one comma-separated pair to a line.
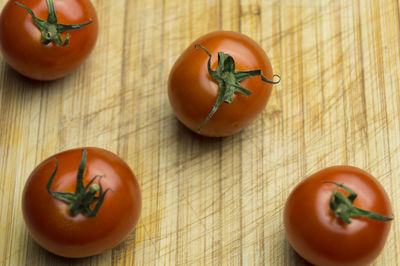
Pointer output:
x,y
212,201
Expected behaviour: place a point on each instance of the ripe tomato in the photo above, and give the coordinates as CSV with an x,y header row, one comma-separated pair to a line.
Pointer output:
x,y
196,91
79,213
317,233
26,48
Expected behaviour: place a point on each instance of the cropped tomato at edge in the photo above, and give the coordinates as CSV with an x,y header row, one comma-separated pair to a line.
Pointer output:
x,y
317,234
75,229
21,41
193,91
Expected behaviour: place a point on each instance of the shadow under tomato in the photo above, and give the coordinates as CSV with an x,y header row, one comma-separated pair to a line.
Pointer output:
x,y
184,132
20,93
12,81
36,255
295,258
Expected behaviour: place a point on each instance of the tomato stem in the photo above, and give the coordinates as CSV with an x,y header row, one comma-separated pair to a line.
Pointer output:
x,y
229,80
84,196
51,29
344,209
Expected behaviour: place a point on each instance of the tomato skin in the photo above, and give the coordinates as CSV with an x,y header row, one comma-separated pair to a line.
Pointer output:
x,y
193,92
49,220
318,236
21,45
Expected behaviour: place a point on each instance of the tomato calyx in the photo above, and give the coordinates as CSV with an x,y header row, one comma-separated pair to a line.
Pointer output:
x,y
51,29
229,80
84,196
344,209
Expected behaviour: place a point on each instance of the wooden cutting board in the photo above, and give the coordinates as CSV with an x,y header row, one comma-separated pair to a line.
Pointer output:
x,y
212,201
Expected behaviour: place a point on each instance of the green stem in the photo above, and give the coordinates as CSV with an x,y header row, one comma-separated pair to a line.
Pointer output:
x,y
344,209
51,29
229,80
84,196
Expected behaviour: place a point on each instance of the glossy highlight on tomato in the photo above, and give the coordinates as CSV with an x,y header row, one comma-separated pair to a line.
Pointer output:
x,y
21,41
193,92
76,230
317,234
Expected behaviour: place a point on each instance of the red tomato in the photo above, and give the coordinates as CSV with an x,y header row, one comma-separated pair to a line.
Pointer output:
x,y
21,41
75,229
193,91
315,231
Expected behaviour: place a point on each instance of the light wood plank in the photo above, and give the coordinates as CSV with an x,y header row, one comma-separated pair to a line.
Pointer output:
x,y
212,201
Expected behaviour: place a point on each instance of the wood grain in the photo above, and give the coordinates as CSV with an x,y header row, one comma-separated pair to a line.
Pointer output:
x,y
212,201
